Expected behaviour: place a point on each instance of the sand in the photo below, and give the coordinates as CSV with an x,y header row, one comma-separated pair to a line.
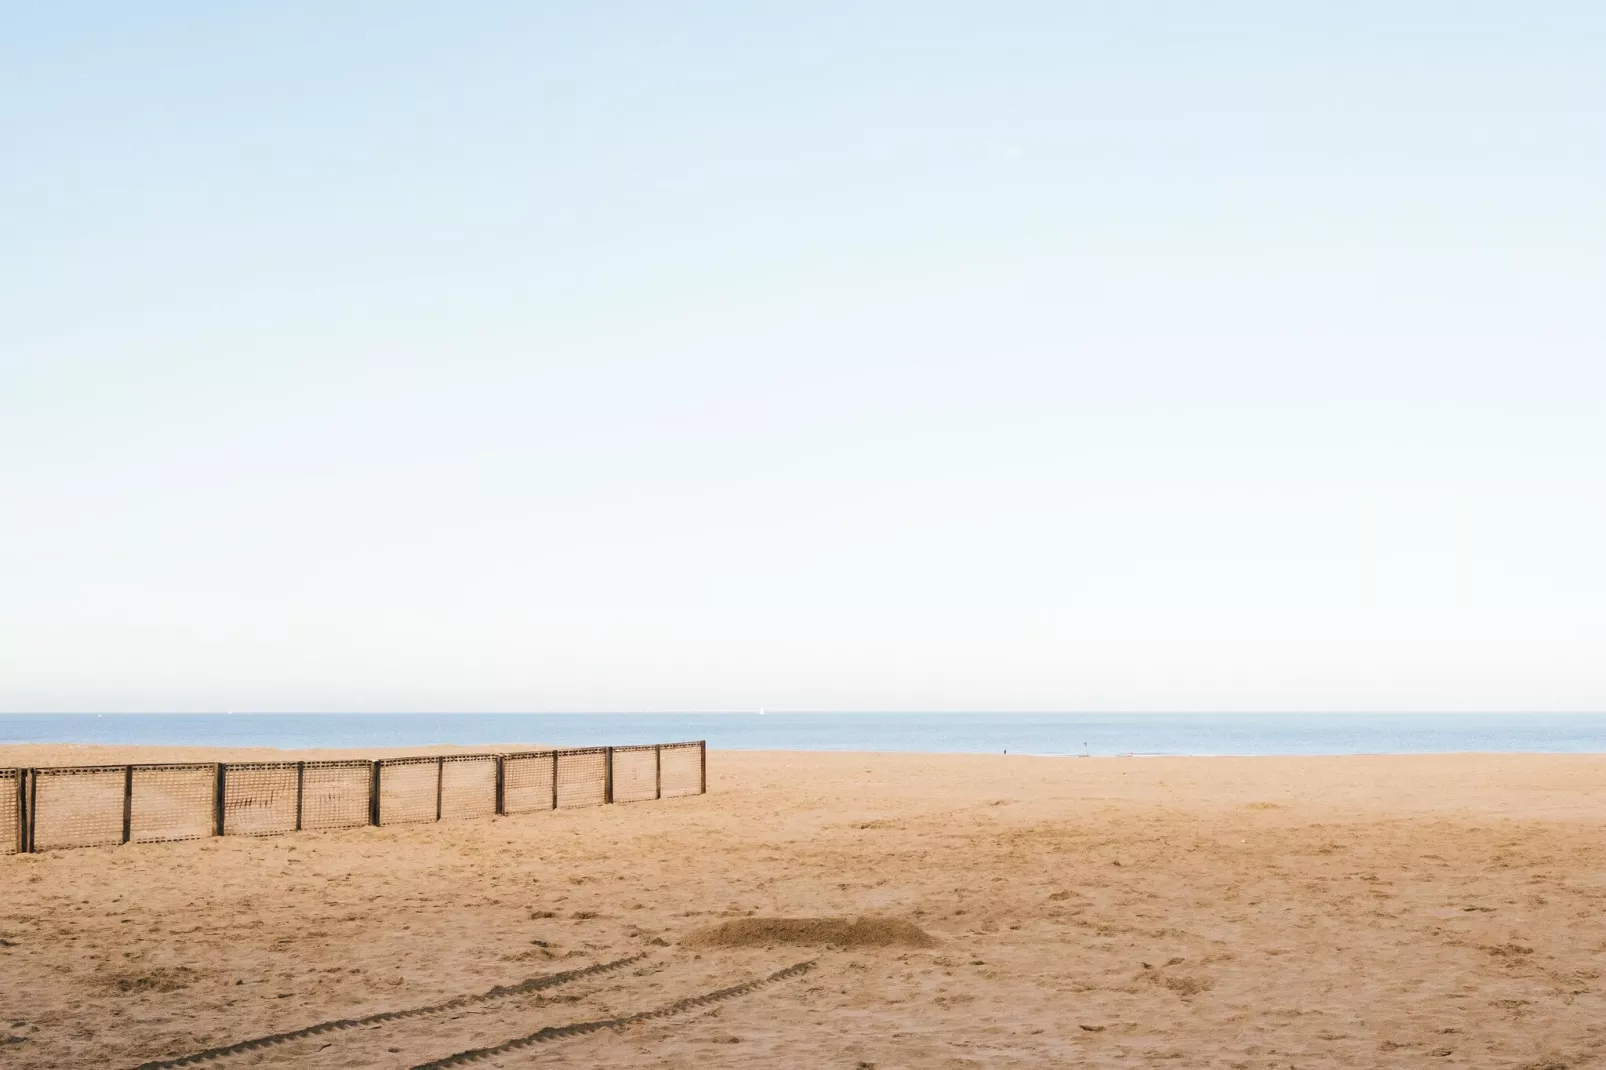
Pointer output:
x,y
1200,912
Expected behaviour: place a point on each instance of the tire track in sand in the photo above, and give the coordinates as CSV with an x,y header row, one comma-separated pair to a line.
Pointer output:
x,y
574,1029
533,984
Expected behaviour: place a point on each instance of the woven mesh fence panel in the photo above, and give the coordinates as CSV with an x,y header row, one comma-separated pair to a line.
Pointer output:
x,y
407,790
527,782
259,799
635,774
468,786
334,795
78,807
173,802
682,769
582,778
9,819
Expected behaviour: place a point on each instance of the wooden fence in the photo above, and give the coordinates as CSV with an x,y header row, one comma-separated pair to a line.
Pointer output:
x,y
89,805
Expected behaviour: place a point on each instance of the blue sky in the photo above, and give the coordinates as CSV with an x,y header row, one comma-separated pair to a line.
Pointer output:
x,y
1037,356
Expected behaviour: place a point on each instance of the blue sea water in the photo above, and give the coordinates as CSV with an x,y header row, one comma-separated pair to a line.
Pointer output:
x,y
961,733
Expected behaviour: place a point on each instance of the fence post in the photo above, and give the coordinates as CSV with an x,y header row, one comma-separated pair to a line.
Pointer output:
x,y
501,785
607,786
440,780
658,771
373,791
301,779
33,810
221,786
702,755
22,811
128,802
554,780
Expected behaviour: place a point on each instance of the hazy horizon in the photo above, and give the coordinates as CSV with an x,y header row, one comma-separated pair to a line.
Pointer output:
x,y
811,713
802,712
920,357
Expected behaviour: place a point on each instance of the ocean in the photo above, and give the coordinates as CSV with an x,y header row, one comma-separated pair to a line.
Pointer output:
x,y
953,733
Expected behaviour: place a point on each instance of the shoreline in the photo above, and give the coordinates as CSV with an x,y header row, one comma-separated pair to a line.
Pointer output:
x,y
41,755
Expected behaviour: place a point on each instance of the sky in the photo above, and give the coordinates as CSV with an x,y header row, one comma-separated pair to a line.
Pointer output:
x,y
923,356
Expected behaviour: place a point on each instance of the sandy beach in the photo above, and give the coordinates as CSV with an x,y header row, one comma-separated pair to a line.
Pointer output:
x,y
1211,912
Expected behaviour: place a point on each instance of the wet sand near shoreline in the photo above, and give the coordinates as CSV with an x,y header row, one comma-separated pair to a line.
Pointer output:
x,y
1197,912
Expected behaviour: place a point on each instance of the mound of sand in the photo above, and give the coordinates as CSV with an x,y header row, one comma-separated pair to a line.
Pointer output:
x,y
833,932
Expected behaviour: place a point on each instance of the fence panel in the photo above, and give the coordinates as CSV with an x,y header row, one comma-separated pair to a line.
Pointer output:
x,y
173,802
682,769
259,799
10,812
407,789
583,777
81,806
527,782
635,774
334,795
468,786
